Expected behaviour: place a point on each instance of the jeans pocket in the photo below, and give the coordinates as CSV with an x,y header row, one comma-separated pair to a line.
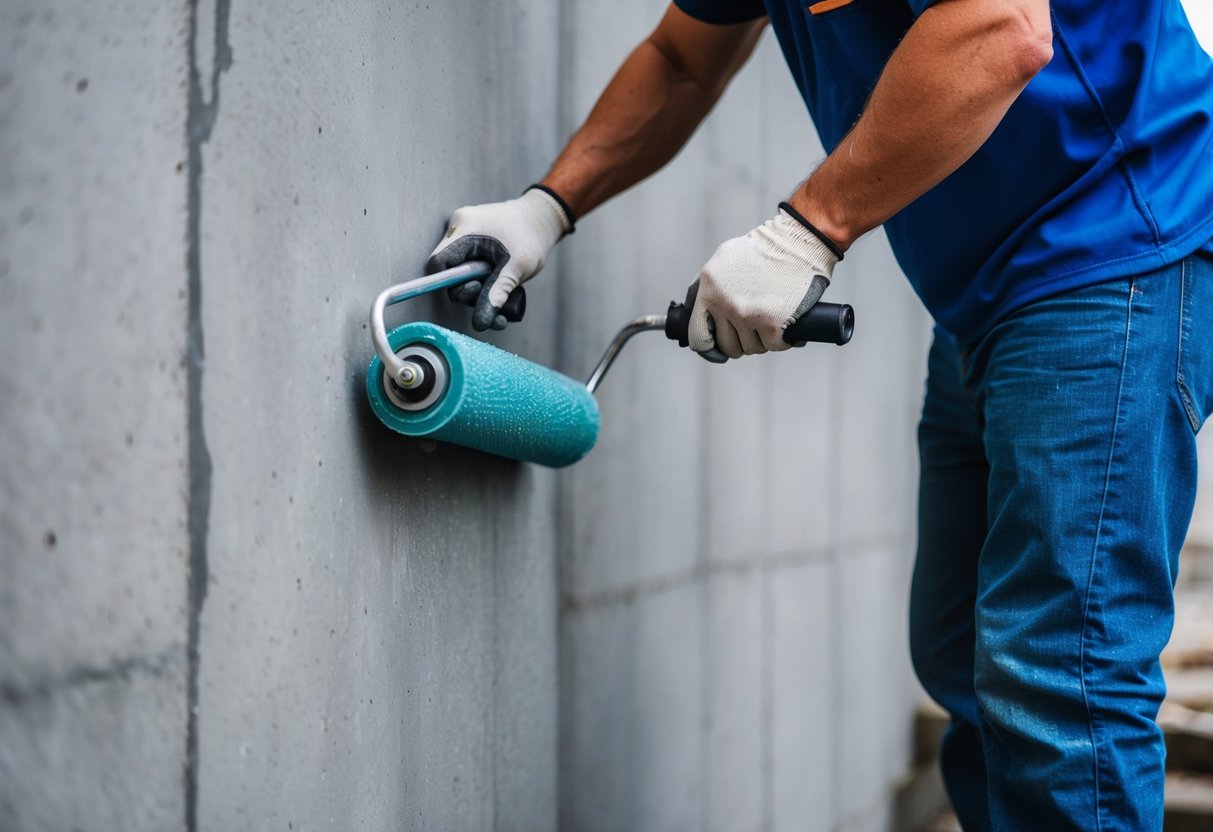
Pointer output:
x,y
1194,363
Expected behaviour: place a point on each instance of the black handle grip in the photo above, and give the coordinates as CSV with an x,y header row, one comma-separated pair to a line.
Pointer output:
x,y
825,323
514,308
515,305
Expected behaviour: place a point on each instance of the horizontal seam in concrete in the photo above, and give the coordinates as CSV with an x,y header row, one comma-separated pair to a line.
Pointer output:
x,y
863,547
653,586
630,593
776,561
154,664
656,586
846,550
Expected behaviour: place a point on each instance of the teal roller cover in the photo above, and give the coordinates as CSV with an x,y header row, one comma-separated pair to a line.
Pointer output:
x,y
495,402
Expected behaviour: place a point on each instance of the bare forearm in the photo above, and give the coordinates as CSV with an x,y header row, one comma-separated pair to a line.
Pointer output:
x,y
651,107
942,93
641,121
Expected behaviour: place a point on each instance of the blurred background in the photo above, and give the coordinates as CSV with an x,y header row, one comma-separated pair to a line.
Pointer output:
x,y
230,599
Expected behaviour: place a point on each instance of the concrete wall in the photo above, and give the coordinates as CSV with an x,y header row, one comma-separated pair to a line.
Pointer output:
x,y
93,415
232,600
378,637
735,553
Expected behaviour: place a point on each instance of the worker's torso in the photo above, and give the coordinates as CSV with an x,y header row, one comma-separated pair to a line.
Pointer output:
x,y
1103,167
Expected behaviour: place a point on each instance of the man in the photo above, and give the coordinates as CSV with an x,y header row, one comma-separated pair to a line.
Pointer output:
x,y
1045,177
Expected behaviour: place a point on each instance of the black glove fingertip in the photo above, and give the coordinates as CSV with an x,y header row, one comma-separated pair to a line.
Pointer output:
x,y
465,293
484,314
499,323
438,261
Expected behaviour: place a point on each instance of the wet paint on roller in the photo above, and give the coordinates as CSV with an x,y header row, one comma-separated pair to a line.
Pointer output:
x,y
496,402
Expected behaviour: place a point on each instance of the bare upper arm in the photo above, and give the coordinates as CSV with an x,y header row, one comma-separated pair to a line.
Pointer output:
x,y
707,53
1021,31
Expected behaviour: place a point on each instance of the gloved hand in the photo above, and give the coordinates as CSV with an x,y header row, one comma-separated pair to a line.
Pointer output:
x,y
516,236
754,286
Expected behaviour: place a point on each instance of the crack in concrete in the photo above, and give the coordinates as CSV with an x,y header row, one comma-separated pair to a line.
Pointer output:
x,y
200,120
41,688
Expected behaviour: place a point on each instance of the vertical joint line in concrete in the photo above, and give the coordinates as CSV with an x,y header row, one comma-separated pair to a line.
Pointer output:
x,y
564,117
200,119
837,411
766,576
492,500
562,506
767,693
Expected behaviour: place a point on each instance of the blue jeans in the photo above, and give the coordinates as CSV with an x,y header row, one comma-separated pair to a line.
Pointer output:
x,y
1058,473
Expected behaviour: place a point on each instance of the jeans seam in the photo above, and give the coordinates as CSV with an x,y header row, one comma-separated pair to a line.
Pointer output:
x,y
1086,606
1185,395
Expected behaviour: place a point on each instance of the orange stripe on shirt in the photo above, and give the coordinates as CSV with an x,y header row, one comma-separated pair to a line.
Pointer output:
x,y
828,6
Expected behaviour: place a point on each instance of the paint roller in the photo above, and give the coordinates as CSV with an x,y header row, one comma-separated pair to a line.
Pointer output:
x,y
428,381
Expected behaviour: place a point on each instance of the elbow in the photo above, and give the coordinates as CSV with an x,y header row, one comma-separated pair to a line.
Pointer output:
x,y
1029,41
1031,54
1011,40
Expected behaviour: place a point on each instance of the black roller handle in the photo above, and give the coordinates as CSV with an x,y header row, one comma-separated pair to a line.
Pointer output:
x,y
825,323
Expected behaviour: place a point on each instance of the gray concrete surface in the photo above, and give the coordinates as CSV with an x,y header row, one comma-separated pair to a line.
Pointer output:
x,y
378,639
93,415
232,600
732,639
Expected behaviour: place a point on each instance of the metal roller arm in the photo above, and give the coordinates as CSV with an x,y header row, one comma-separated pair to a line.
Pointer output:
x,y
405,372
645,324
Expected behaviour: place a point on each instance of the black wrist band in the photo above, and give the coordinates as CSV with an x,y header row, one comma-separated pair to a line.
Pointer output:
x,y
564,206
796,215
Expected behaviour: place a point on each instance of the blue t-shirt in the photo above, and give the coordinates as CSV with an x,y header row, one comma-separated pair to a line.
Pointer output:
x,y
1102,168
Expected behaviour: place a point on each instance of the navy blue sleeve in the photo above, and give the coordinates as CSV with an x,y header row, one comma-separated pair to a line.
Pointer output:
x,y
723,11
920,6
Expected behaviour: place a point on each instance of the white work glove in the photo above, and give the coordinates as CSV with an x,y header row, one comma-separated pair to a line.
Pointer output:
x,y
516,236
754,286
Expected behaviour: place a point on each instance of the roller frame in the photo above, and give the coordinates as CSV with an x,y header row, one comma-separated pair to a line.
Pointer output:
x,y
408,374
